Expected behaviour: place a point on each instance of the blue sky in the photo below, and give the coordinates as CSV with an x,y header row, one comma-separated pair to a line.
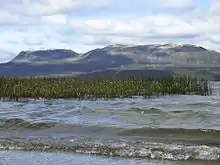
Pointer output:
x,y
82,25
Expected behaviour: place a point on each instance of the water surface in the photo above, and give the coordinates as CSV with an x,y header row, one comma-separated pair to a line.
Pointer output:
x,y
180,129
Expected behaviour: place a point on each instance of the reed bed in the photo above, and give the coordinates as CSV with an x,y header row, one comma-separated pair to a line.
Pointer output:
x,y
20,88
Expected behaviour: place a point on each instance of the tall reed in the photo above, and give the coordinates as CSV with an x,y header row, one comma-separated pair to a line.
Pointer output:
x,y
19,87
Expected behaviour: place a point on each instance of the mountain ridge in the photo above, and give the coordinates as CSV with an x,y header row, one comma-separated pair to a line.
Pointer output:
x,y
167,47
117,58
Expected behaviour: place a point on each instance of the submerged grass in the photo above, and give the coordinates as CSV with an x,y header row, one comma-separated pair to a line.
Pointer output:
x,y
20,87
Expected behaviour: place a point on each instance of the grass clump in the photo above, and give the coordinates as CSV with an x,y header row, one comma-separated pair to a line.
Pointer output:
x,y
20,87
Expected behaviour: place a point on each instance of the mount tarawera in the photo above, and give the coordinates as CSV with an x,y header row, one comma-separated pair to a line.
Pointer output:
x,y
116,61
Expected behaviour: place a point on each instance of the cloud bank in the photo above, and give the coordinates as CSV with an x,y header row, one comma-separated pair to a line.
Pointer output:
x,y
82,25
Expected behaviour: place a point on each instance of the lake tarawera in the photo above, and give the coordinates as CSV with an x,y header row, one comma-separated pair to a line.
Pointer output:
x,y
174,128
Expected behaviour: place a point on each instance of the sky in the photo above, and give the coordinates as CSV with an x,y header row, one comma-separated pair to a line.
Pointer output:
x,y
82,25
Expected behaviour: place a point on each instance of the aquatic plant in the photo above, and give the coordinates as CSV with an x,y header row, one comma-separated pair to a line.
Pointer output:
x,y
19,87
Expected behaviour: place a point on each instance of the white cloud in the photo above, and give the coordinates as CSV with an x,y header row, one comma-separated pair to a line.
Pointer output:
x,y
148,26
74,24
48,7
215,7
7,18
55,19
174,4
5,55
51,11
158,28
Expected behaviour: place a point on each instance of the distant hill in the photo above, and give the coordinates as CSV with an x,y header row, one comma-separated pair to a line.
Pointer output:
x,y
43,55
119,60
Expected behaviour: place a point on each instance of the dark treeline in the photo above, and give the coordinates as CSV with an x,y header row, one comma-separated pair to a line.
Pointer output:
x,y
32,87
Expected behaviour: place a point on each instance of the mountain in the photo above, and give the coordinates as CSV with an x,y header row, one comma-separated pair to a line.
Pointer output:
x,y
116,61
43,55
163,55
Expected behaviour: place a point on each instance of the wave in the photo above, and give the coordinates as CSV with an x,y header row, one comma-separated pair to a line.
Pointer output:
x,y
183,113
163,135
193,136
174,131
137,149
151,143
20,123
199,135
201,104
158,111
146,111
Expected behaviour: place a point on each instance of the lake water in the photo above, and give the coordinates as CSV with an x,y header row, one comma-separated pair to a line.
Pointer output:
x,y
170,130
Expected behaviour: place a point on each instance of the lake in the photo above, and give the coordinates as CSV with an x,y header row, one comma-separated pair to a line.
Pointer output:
x,y
170,130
